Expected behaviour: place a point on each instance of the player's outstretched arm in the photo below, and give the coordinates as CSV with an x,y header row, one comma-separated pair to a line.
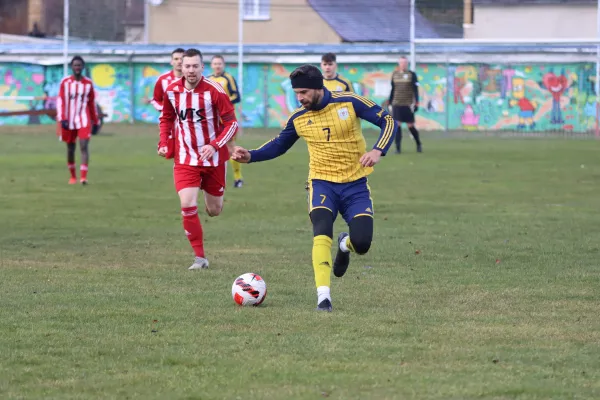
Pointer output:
x,y
276,146
230,127
240,155
370,111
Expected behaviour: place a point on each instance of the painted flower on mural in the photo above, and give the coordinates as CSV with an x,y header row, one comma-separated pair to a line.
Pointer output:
x,y
556,85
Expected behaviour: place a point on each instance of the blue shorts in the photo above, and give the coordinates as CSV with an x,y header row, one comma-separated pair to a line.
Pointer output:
x,y
350,199
526,114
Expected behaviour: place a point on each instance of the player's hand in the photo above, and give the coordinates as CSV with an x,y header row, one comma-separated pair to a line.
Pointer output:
x,y
95,129
206,152
64,124
416,108
370,158
240,155
162,151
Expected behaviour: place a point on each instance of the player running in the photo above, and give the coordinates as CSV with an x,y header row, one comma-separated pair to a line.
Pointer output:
x,y
204,121
167,78
228,82
333,81
338,168
77,117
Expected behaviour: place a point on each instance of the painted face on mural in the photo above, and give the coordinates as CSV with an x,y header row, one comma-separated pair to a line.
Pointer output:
x,y
218,66
192,69
309,98
77,68
518,85
329,69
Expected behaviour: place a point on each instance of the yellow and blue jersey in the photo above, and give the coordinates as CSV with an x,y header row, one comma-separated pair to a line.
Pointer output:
x,y
338,84
227,81
334,136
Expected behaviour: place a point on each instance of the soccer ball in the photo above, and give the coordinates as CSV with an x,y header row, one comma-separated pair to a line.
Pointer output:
x,y
249,290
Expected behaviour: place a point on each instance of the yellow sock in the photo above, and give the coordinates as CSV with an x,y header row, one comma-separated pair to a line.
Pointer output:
x,y
237,170
321,258
349,244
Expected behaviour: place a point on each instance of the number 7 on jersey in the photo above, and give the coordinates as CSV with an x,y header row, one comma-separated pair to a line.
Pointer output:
x,y
328,133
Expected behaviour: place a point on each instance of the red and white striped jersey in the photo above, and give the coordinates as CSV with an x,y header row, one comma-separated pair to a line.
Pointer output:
x,y
202,116
160,87
76,102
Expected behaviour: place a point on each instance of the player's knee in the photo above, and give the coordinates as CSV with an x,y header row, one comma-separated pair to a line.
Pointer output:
x,y
361,234
322,221
214,210
361,244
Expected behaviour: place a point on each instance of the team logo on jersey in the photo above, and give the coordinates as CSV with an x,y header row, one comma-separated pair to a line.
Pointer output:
x,y
339,88
343,113
184,114
405,76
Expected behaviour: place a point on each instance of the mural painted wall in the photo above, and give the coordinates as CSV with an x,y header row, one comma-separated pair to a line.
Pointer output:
x,y
473,97
252,108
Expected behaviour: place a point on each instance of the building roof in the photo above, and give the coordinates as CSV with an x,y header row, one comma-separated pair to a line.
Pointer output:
x,y
531,2
360,21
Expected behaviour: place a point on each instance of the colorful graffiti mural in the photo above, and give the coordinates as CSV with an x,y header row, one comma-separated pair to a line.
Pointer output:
x,y
467,97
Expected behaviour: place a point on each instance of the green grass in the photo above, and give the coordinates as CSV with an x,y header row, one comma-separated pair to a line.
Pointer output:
x,y
482,282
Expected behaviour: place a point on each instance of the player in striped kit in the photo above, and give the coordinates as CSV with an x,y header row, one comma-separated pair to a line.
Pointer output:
x,y
167,78
228,82
204,122
77,117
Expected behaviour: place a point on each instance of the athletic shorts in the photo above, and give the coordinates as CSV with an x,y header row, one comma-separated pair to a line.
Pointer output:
x,y
210,179
350,199
403,114
71,135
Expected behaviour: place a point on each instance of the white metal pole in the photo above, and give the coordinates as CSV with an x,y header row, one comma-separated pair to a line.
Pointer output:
x,y
412,35
598,70
66,37
146,20
241,47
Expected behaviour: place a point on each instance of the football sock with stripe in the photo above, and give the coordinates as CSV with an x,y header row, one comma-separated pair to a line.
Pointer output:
x,y
193,229
321,259
237,170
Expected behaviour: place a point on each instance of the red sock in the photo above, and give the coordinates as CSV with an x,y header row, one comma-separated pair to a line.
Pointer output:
x,y
71,167
193,229
83,169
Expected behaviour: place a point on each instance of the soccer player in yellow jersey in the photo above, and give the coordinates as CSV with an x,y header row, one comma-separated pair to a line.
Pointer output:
x,y
333,81
338,168
228,82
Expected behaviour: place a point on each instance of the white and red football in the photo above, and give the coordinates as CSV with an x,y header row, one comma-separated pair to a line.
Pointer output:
x,y
249,290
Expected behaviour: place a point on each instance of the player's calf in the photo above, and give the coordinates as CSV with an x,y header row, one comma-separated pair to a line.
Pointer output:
x,y
358,241
322,220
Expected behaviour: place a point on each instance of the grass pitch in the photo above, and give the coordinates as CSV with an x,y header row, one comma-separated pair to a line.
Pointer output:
x,y
482,282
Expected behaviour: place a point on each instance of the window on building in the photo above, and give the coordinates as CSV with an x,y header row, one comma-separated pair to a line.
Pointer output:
x,y
257,9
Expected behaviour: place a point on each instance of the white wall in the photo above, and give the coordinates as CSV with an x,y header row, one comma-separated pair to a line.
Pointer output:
x,y
533,22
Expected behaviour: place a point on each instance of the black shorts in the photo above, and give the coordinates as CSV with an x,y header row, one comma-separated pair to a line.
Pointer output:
x,y
403,114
